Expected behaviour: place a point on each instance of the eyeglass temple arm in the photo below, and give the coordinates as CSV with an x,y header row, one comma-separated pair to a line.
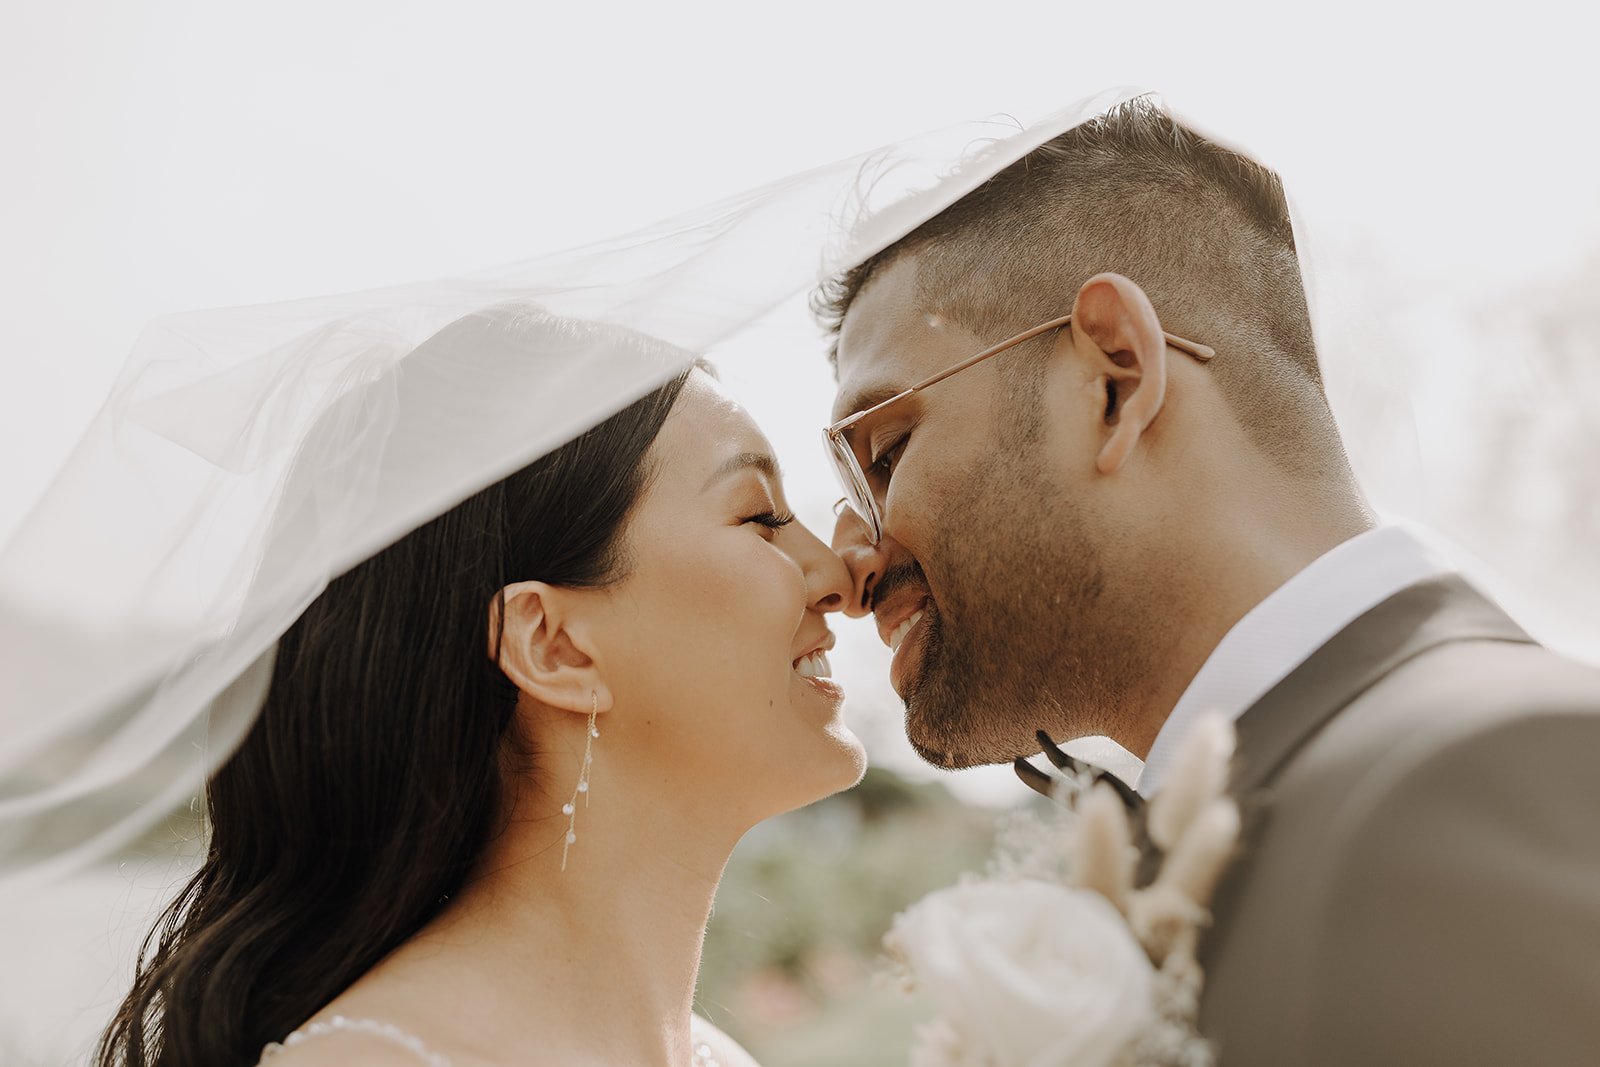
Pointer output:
x,y
1203,353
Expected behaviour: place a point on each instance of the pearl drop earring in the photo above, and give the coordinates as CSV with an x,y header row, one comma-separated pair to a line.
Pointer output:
x,y
570,808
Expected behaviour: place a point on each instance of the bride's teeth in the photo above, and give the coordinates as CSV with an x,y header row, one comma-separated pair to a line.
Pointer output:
x,y
814,666
900,631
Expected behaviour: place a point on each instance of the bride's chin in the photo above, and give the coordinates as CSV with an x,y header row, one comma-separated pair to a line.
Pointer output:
x,y
858,768
838,767
852,756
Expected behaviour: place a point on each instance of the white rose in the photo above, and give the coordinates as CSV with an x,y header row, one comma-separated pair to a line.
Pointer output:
x,y
1035,974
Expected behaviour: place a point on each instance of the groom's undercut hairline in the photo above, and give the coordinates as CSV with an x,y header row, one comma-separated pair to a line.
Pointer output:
x,y
1204,230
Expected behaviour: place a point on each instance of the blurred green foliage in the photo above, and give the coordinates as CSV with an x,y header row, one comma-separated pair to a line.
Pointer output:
x,y
792,952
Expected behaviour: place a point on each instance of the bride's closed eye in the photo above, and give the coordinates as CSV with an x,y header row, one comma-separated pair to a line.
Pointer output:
x,y
772,520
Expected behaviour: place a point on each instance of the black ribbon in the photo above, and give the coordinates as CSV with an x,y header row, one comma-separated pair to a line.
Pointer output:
x,y
1043,783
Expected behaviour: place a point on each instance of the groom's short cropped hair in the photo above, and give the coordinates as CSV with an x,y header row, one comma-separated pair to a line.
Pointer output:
x,y
1205,230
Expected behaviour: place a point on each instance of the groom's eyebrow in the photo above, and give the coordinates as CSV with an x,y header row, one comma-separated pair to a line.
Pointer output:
x,y
868,396
743,461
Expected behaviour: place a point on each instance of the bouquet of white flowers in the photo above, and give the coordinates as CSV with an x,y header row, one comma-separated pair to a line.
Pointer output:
x,y
1055,957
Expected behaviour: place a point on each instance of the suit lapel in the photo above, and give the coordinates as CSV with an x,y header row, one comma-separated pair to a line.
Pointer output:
x,y
1423,616
1414,620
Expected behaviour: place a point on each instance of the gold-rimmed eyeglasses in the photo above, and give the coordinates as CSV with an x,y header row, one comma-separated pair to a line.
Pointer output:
x,y
861,494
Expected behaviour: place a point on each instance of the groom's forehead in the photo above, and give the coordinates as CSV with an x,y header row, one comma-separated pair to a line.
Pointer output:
x,y
889,342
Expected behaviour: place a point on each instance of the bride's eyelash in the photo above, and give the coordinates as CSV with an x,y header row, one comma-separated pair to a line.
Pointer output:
x,y
771,519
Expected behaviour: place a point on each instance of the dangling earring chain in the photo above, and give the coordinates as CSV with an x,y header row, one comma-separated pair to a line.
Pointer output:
x,y
570,808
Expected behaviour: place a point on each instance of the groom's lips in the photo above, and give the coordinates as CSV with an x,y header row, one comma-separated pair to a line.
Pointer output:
x,y
890,616
903,668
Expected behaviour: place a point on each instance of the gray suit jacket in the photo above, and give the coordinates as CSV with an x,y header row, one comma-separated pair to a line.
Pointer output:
x,y
1419,881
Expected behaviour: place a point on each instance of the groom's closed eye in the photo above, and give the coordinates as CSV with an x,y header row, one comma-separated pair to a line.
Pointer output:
x,y
885,457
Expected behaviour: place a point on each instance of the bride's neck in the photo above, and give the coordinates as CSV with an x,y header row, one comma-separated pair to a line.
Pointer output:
x,y
609,948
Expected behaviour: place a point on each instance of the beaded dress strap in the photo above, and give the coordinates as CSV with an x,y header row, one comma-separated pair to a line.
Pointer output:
x,y
703,1054
337,1023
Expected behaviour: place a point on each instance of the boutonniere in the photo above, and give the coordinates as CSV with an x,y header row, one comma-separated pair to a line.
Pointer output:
x,y
1055,957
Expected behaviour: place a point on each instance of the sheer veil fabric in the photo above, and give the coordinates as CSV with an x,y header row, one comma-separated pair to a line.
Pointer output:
x,y
246,456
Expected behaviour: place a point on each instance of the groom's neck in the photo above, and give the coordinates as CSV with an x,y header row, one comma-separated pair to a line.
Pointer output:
x,y
1236,566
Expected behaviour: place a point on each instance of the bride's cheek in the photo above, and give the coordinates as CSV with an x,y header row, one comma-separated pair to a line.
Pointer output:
x,y
767,602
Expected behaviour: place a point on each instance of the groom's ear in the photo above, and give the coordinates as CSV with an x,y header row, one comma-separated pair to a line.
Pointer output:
x,y
1116,332
537,637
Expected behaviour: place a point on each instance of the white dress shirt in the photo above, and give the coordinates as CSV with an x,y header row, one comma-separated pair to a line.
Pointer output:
x,y
1282,631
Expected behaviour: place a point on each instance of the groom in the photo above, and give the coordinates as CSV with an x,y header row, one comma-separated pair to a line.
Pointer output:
x,y
1111,526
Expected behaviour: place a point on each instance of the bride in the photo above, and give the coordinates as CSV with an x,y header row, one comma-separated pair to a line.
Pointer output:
x,y
482,677
481,816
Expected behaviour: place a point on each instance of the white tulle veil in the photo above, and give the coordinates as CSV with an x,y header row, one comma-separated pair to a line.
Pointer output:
x,y
248,455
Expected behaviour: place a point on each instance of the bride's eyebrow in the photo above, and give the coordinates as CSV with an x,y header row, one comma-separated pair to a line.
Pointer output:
x,y
743,461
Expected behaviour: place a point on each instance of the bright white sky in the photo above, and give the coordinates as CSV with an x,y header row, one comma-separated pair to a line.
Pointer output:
x,y
173,154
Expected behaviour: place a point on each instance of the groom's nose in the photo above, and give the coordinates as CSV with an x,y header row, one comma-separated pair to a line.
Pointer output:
x,y
865,561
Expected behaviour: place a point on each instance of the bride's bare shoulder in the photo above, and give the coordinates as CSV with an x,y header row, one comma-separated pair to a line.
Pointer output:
x,y
725,1051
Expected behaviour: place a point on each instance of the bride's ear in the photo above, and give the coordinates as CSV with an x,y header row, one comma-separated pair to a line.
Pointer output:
x,y
542,649
1115,330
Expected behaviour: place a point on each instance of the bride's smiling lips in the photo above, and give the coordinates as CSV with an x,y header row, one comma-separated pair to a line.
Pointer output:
x,y
812,666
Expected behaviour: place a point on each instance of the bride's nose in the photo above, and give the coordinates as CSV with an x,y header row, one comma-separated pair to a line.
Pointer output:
x,y
827,578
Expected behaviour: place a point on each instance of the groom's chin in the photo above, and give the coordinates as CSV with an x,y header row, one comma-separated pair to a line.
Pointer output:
x,y
952,721
942,758
951,754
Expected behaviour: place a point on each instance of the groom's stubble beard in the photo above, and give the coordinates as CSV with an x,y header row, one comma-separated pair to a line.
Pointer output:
x,y
1026,632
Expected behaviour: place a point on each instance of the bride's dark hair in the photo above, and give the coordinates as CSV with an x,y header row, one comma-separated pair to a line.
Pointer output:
x,y
375,773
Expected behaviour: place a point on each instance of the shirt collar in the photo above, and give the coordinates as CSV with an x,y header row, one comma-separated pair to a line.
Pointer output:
x,y
1295,620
